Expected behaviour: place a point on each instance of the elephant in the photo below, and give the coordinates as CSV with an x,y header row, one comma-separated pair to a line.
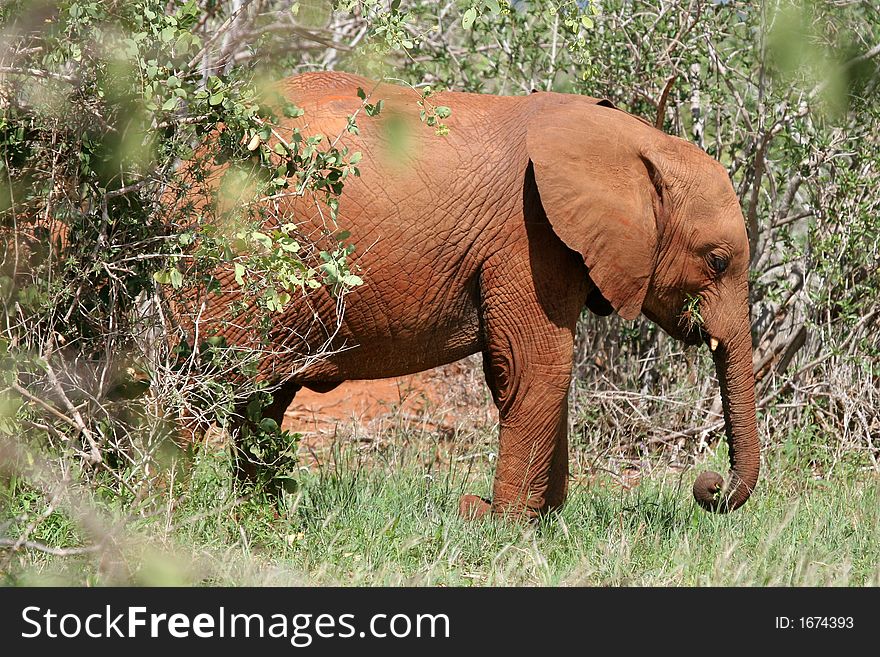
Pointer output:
x,y
493,238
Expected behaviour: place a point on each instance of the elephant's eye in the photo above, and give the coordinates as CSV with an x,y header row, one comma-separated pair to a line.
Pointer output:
x,y
718,263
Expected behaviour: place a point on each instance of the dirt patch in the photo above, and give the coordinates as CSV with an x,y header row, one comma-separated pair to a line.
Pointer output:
x,y
439,400
361,401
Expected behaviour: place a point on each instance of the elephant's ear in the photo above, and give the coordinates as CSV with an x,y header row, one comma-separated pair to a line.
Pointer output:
x,y
599,195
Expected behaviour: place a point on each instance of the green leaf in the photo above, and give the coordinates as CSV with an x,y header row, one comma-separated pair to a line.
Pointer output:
x,y
262,239
373,109
331,271
352,281
268,425
292,111
183,42
289,244
468,19
176,278
442,111
169,104
587,22
239,273
217,98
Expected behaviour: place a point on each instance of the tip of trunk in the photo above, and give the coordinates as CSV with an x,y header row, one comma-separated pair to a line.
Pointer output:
x,y
713,494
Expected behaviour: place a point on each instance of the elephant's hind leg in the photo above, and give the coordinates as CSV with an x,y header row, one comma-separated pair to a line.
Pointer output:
x,y
281,400
246,468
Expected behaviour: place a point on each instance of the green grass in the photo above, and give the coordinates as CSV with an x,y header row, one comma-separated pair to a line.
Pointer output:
x,y
390,518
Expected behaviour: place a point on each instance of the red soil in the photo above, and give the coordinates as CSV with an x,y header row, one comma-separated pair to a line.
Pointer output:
x,y
438,398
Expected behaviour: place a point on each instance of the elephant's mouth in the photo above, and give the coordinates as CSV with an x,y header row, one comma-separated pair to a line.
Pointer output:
x,y
679,328
696,336
700,336
692,334
691,324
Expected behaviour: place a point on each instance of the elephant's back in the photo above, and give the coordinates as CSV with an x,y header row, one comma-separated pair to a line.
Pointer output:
x,y
403,121
422,196
321,82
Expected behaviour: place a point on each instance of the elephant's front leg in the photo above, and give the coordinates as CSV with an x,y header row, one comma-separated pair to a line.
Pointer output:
x,y
527,361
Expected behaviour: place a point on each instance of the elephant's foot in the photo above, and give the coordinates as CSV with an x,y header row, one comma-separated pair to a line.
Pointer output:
x,y
473,507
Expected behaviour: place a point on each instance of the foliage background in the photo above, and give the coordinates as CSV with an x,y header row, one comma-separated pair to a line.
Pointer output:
x,y
102,100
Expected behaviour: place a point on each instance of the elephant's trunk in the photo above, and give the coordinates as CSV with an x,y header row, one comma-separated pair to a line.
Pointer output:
x,y
733,363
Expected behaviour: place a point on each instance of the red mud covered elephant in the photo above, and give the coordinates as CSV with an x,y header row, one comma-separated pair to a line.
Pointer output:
x,y
494,237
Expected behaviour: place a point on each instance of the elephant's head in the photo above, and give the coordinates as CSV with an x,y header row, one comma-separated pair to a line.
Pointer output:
x,y
661,232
